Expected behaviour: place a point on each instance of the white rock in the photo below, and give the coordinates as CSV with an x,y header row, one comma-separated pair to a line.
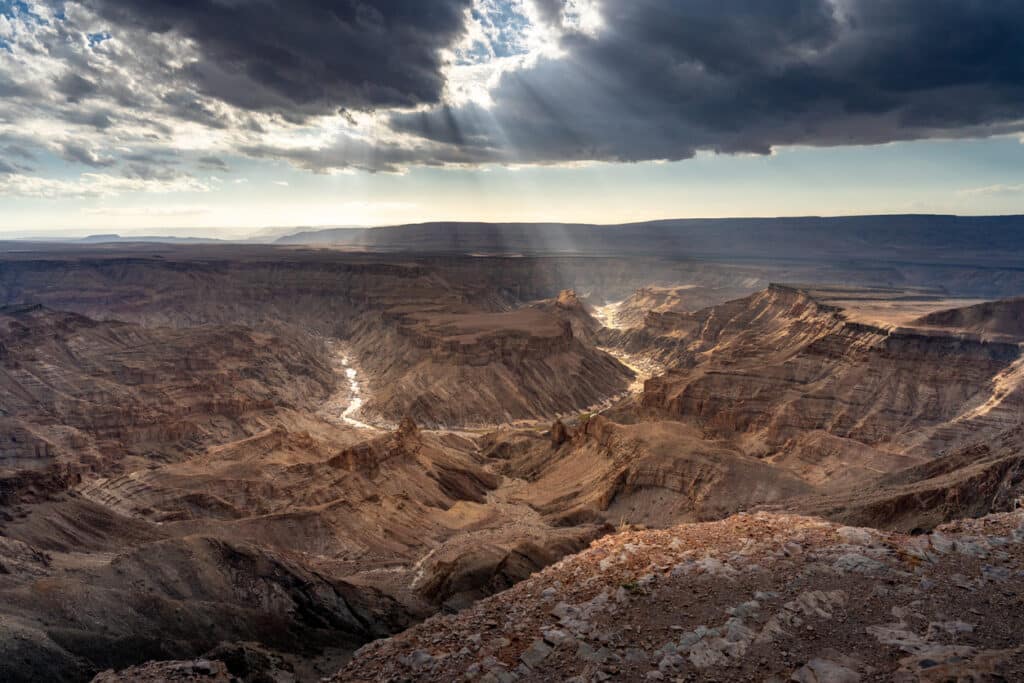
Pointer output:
x,y
855,536
824,671
535,654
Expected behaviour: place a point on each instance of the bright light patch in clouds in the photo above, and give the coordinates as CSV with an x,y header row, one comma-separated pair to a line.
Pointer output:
x,y
582,16
507,35
131,98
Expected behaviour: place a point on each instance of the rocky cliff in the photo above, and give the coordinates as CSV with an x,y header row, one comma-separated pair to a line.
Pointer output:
x,y
779,364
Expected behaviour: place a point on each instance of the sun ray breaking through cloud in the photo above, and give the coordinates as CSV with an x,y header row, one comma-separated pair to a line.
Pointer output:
x,y
103,99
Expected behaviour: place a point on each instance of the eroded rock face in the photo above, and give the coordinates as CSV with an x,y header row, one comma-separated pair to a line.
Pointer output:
x,y
656,473
633,312
459,575
90,392
473,369
177,598
460,352
791,380
753,597
779,364
407,428
568,300
219,506
970,482
559,433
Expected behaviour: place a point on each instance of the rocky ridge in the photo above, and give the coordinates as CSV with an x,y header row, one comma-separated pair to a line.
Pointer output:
x,y
778,365
756,596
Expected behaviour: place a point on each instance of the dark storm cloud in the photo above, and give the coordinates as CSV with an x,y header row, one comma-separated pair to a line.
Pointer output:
x,y
187,107
301,57
664,79
660,79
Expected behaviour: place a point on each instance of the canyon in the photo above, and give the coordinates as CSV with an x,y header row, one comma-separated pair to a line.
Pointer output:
x,y
329,459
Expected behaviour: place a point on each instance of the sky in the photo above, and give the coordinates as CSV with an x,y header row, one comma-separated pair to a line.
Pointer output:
x,y
239,118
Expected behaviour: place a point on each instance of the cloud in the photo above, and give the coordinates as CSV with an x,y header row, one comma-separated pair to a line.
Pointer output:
x,y
346,152
664,79
213,163
16,150
993,190
145,88
305,57
144,171
550,10
92,185
77,153
75,87
146,211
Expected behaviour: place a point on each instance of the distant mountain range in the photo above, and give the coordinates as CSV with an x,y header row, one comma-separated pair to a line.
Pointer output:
x,y
114,237
910,238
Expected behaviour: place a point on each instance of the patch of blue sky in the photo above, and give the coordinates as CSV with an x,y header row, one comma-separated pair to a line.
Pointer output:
x,y
11,8
97,38
477,53
503,27
21,9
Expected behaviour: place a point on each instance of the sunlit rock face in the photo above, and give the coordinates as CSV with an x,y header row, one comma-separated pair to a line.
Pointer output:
x,y
780,364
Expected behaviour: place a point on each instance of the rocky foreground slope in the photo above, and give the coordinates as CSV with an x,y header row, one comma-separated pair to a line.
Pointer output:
x,y
753,597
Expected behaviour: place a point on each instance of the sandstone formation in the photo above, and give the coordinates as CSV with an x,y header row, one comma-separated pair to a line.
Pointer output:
x,y
1002,319
652,473
779,364
630,313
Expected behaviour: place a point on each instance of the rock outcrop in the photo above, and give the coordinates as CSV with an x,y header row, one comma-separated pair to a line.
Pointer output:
x,y
559,433
779,364
479,369
652,473
753,597
1003,320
